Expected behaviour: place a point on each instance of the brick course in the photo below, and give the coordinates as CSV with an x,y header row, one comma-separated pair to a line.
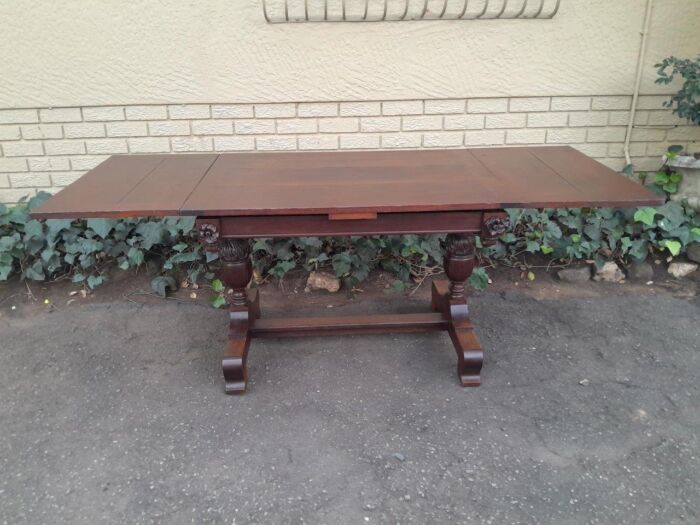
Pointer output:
x,y
48,148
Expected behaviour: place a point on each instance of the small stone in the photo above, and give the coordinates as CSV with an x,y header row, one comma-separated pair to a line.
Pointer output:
x,y
693,252
641,271
584,382
575,275
610,272
399,456
323,281
681,269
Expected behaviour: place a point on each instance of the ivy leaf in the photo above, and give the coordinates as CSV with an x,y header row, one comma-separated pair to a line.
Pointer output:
x,y
55,226
639,250
341,264
672,246
661,178
39,199
33,228
101,227
645,215
218,300
217,285
5,270
162,284
184,257
479,279
35,272
8,242
532,246
89,246
152,233
626,244
670,187
282,267
262,245
94,280
546,249
135,256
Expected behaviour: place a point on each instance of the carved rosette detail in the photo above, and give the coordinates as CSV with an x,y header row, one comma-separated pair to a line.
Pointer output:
x,y
497,226
208,233
234,250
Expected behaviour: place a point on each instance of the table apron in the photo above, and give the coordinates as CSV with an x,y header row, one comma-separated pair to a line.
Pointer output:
x,y
322,225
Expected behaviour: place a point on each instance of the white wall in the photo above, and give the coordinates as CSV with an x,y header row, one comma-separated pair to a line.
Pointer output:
x,y
84,79
107,52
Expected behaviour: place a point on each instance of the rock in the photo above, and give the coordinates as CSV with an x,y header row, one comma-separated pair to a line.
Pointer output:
x,y
641,271
575,275
681,269
693,252
610,273
584,382
399,456
323,281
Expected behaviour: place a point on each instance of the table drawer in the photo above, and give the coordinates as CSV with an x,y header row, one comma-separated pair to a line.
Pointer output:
x,y
322,225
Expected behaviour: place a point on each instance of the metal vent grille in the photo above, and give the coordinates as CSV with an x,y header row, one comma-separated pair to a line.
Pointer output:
x,y
289,11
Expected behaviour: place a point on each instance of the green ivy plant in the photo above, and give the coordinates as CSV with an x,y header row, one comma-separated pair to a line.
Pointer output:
x,y
686,102
599,234
667,179
84,250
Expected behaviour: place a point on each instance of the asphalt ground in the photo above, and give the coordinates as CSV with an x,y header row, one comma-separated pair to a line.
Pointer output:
x,y
588,413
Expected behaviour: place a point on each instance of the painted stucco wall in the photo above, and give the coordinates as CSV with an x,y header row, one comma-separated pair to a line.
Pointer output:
x,y
75,52
83,80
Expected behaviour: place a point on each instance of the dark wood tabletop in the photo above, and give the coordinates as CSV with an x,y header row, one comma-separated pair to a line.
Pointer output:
x,y
242,184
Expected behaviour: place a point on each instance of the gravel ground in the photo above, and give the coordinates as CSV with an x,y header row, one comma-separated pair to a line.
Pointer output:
x,y
114,413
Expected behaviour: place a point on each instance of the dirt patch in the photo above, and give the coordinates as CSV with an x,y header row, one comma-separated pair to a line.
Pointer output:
x,y
27,298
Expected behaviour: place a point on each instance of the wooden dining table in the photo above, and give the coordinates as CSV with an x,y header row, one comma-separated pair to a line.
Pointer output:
x,y
240,196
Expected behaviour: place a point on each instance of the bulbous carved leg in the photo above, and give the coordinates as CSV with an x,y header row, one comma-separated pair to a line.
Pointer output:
x,y
451,300
236,272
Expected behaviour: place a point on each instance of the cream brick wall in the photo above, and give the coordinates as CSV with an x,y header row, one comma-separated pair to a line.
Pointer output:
x,y
48,148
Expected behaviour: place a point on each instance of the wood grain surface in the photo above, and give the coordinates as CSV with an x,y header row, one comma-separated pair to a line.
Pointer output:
x,y
344,183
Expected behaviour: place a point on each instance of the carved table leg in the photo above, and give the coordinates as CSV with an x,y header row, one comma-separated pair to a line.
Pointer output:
x,y
236,272
451,300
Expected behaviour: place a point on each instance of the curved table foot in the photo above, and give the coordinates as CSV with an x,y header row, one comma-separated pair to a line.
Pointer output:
x,y
470,357
234,365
